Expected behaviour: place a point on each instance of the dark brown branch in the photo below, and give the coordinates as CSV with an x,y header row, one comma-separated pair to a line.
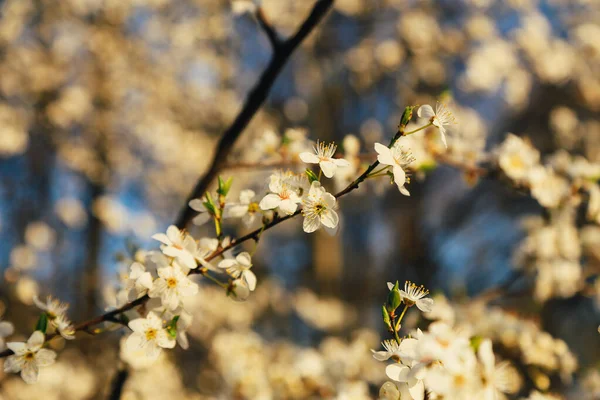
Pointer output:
x,y
254,101
270,31
118,383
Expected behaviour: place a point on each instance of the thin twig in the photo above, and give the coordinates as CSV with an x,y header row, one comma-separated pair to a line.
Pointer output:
x,y
254,101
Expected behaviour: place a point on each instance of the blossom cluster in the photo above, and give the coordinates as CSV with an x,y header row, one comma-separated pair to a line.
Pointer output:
x,y
441,361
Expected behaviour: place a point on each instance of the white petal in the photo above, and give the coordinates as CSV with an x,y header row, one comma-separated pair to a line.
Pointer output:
x,y
311,224
17,347
197,204
29,373
36,340
417,391
187,259
425,111
173,234
309,158
250,279
269,202
145,280
201,219
164,340
425,305
246,196
390,285
288,207
137,325
161,237
328,168
443,135
384,154
45,357
12,364
486,354
158,287
227,263
340,162
397,372
329,218
244,259
135,341
381,355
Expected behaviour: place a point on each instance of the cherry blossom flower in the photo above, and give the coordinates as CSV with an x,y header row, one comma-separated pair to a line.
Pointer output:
x,y
136,283
149,335
29,357
410,371
171,285
497,379
56,312
179,245
517,157
318,208
239,268
323,155
440,118
246,209
391,351
398,158
238,290
282,197
413,294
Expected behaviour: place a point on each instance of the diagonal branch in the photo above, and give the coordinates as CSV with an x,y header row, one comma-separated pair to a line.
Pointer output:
x,y
254,101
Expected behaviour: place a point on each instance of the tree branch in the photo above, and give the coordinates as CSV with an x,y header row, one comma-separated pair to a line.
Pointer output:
x,y
268,28
254,101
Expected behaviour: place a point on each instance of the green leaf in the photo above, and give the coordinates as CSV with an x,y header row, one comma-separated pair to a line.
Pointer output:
x,y
311,176
475,342
209,204
224,186
42,323
406,117
172,327
394,299
386,317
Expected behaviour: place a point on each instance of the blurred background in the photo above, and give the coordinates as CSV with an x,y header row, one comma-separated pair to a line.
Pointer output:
x,y
110,110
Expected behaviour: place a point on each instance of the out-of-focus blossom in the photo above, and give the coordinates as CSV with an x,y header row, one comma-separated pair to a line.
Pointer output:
x,y
28,357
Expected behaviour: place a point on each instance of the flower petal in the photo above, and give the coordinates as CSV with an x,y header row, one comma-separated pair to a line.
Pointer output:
x,y
309,158
397,372
328,168
45,357
384,154
269,202
425,111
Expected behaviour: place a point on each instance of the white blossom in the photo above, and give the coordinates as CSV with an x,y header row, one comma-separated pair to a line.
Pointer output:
x,y
179,245
171,285
398,158
136,283
28,357
239,268
56,311
517,157
149,335
413,294
440,118
282,197
323,155
318,208
246,208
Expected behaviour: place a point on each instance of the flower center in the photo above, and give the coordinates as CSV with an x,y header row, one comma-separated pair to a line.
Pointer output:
x,y
29,356
252,208
151,334
171,283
